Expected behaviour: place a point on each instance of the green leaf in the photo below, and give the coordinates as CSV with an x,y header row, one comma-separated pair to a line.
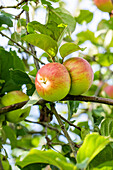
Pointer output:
x,y
92,145
33,100
84,16
50,157
105,24
19,78
9,61
5,162
16,37
21,22
105,59
34,166
107,127
44,42
69,48
52,29
25,8
10,134
46,2
5,20
88,35
62,16
103,159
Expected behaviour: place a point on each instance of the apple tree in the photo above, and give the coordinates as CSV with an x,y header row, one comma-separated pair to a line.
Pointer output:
x,y
58,118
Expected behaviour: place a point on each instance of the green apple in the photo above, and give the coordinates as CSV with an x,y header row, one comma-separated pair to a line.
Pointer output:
x,y
53,82
14,97
104,5
81,75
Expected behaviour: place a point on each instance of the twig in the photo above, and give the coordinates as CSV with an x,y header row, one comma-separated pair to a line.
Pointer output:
x,y
31,46
15,6
1,167
45,125
68,97
71,143
18,16
27,51
71,124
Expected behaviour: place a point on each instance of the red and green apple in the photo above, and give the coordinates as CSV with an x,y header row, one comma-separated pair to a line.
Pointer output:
x,y
104,5
109,91
81,75
53,82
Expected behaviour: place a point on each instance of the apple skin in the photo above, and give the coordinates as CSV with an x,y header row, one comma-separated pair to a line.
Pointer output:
x,y
53,82
104,5
109,91
81,75
14,97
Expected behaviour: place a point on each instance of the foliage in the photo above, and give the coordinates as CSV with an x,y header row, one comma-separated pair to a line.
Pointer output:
x,y
82,136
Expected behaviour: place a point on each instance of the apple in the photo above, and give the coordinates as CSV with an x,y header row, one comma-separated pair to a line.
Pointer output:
x,y
109,91
104,5
53,82
11,98
81,75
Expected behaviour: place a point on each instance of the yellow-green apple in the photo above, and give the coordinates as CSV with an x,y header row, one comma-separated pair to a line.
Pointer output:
x,y
11,98
53,82
104,5
81,75
109,91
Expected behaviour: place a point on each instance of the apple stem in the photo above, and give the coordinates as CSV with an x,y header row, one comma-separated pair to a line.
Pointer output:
x,y
71,143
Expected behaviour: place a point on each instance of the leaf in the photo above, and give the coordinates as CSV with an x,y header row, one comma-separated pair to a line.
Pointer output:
x,y
50,157
107,127
84,16
34,166
33,100
9,61
16,37
21,22
105,24
69,48
10,134
5,20
20,78
92,145
88,35
25,8
44,42
105,59
104,158
62,16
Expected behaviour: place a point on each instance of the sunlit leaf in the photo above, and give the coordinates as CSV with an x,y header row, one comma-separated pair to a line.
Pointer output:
x,y
93,144
42,41
84,16
69,48
62,16
50,157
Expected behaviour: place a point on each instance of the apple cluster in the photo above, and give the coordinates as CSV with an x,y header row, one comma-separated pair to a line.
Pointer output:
x,y
54,80
104,5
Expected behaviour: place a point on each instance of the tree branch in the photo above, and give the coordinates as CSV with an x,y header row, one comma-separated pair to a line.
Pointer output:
x,y
45,125
27,51
15,6
71,124
71,143
68,97
1,167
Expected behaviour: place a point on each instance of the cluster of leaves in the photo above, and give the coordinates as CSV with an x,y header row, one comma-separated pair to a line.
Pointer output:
x,y
93,138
